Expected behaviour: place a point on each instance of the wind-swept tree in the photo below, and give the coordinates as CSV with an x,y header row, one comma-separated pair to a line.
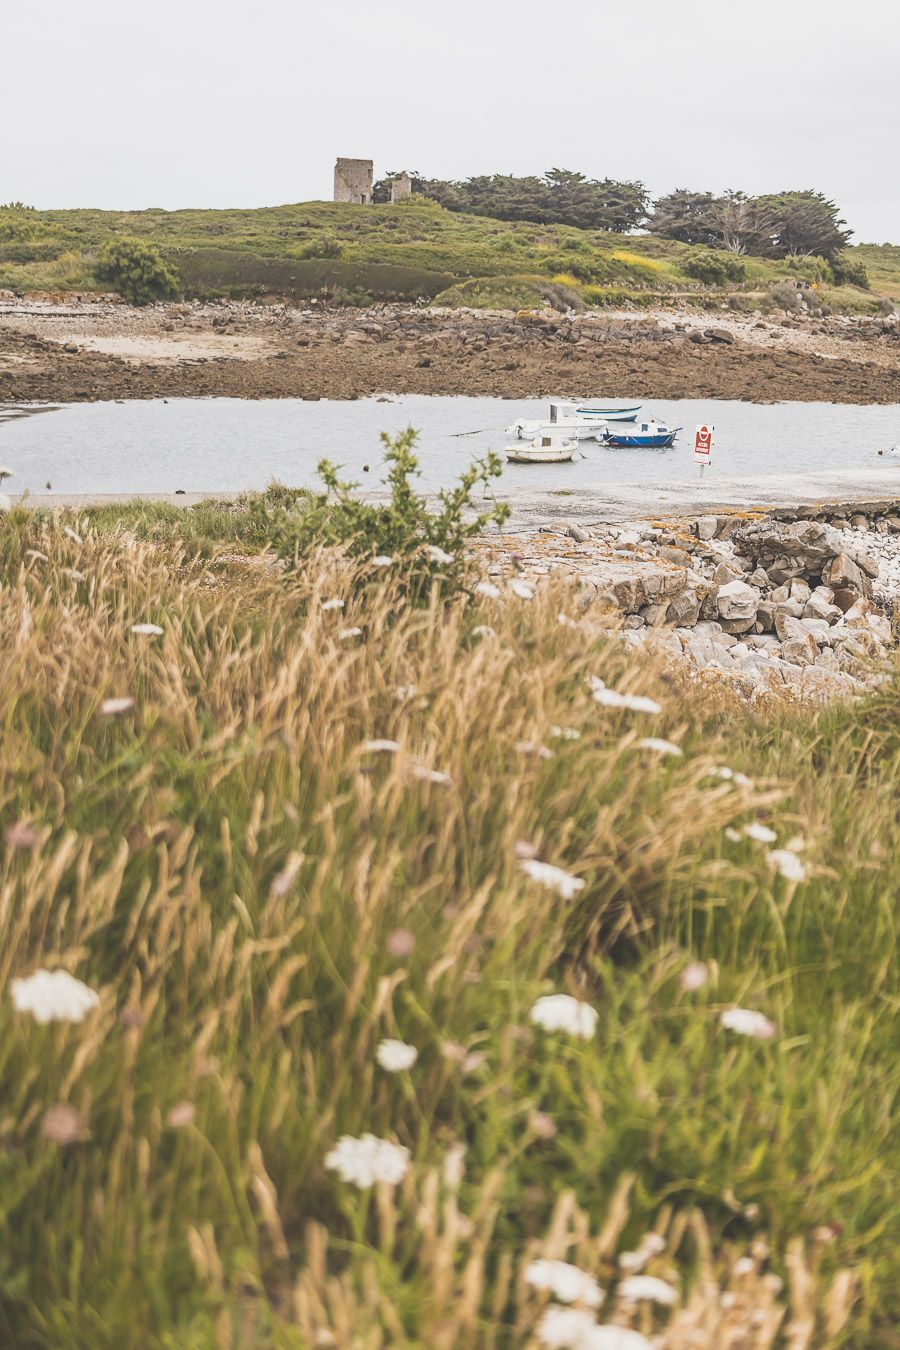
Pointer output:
x,y
684,215
805,224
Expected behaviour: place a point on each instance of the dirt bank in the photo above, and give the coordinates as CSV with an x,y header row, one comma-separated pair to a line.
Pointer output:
x,y
64,352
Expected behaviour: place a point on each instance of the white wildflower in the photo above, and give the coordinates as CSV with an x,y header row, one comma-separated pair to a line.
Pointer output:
x,y
368,1159
731,776
73,535
382,560
395,1056
564,733
787,864
694,976
640,1288
427,775
346,633
533,748
659,747
747,1022
744,1265
484,630
404,692
760,833
488,590
556,879
561,1012
439,555
146,629
610,1337
610,698
732,835
73,574
112,707
521,589
329,605
53,996
380,747
565,1282
560,1328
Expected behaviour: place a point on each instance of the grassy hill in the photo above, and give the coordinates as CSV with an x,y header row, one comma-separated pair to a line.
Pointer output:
x,y
354,254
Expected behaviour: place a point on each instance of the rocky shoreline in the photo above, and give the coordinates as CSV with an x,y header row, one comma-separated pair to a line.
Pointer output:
x,y
771,603
64,351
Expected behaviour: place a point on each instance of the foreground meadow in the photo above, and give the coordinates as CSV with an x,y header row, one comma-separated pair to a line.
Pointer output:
x,y
286,833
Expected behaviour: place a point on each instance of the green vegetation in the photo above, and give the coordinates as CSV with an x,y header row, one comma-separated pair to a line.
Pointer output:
x,y
414,250
136,271
306,835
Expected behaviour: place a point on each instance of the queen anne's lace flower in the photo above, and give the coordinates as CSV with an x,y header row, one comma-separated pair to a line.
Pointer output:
x,y
565,1282
53,996
382,560
368,1159
395,1056
556,879
521,589
329,605
694,976
562,1012
761,834
381,747
488,590
146,629
560,1328
748,1022
610,698
346,633
113,707
439,555
659,747
639,1288
787,864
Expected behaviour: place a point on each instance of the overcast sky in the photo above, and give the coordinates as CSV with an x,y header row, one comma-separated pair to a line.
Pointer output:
x,y
193,103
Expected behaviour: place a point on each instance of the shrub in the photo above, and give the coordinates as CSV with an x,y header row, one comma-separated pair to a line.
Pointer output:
x,y
714,268
785,295
417,540
850,271
324,246
136,271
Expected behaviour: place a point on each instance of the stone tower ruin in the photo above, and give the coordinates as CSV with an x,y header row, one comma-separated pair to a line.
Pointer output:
x,y
401,188
353,181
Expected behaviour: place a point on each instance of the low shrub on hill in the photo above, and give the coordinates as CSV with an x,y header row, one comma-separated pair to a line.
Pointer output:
x,y
714,267
137,271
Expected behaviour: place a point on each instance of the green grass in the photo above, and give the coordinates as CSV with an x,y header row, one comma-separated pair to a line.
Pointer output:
x,y
226,866
405,251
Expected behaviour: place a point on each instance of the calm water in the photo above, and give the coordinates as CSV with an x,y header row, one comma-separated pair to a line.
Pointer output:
x,y
231,444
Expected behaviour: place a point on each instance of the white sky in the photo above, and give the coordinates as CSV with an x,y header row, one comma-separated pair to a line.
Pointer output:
x,y
195,103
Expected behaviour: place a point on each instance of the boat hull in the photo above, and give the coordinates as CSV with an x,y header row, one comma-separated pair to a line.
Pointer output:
x,y
516,454
621,441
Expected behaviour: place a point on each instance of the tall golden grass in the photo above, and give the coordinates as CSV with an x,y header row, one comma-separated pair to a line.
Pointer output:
x,y
259,899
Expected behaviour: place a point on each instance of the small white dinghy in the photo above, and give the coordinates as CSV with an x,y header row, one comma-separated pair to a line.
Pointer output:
x,y
544,449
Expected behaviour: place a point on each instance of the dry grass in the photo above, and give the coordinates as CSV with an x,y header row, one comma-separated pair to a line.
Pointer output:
x,y
230,868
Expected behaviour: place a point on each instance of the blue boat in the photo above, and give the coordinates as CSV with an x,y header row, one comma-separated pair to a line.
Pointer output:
x,y
649,435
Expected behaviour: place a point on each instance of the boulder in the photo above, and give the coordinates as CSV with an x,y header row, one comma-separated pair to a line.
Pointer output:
x,y
801,650
842,573
817,607
725,573
705,527
737,602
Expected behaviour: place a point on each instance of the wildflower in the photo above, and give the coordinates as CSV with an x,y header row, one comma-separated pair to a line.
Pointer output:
x,y
146,629
564,733
787,864
761,834
563,1327
401,942
746,1022
73,535
525,849
426,775
565,1282
521,589
483,630
731,776
329,605
732,835
542,1125
610,1337
395,1056
744,1265
346,633
610,698
404,692
112,707
488,590
284,880
64,1125
383,560
439,555
53,996
21,836
180,1115
640,1288
365,1160
659,747
533,748
561,1012
556,879
694,976
73,574
380,747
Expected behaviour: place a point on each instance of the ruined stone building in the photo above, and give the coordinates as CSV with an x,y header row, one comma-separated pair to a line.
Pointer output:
x,y
401,188
353,181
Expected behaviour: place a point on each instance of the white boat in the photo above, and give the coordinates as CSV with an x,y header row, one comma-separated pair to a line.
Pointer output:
x,y
527,429
592,411
544,449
